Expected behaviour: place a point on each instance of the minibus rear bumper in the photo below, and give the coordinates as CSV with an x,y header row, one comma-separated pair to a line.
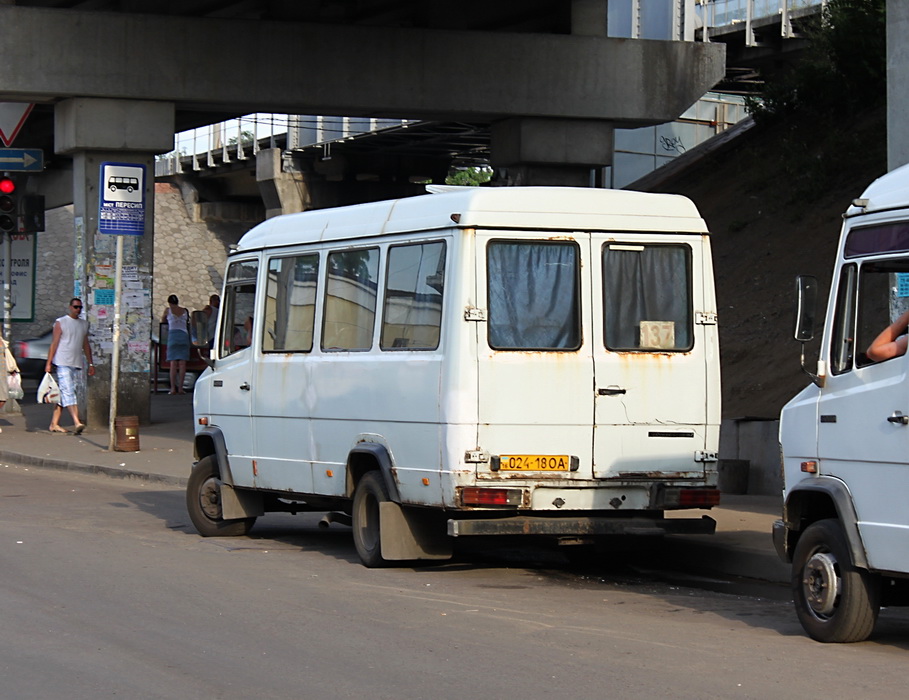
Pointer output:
x,y
581,526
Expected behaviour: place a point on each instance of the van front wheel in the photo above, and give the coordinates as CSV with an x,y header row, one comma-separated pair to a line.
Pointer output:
x,y
834,600
370,492
203,502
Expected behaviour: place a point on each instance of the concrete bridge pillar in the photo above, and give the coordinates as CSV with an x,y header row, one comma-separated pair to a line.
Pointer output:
x,y
545,151
94,131
283,189
897,83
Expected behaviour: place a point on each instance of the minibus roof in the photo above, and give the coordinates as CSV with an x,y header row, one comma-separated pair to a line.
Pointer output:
x,y
888,192
563,209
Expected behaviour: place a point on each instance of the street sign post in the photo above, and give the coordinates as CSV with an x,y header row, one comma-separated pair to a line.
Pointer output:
x,y
121,212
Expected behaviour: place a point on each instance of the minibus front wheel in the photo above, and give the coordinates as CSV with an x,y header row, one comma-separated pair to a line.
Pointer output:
x,y
370,492
835,600
203,502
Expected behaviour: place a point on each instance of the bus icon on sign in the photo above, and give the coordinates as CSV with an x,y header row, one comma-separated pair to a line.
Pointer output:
x,y
130,184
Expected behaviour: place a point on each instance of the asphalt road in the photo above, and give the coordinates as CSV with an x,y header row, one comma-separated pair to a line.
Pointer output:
x,y
108,592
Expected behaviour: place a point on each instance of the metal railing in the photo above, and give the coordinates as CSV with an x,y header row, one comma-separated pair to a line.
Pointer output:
x,y
718,14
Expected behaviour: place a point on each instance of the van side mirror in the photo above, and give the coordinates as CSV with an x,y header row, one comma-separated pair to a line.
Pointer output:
x,y
199,321
805,311
806,307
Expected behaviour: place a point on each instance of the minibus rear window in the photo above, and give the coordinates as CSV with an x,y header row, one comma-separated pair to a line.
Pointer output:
x,y
533,295
647,297
885,238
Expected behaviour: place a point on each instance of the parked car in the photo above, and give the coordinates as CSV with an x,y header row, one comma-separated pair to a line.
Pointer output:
x,y
31,354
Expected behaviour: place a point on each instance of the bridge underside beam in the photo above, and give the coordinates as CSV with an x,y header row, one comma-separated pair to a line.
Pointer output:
x,y
296,68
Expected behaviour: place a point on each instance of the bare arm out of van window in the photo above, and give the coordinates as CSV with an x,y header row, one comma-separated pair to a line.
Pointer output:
x,y
892,341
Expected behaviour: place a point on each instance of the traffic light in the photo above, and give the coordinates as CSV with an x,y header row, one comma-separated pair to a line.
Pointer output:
x,y
31,213
9,205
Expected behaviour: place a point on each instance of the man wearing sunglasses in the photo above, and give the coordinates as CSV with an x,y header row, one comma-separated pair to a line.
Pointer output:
x,y
69,344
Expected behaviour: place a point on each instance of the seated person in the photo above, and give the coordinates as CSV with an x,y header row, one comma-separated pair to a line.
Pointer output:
x,y
243,336
892,341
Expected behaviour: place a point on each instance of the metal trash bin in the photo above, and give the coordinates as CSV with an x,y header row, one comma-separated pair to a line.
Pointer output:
x,y
127,431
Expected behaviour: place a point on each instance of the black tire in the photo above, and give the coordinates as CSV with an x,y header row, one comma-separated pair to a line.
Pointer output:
x,y
835,601
203,502
370,492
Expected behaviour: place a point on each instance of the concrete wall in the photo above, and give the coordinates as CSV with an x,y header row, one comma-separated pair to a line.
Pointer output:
x,y
189,255
756,441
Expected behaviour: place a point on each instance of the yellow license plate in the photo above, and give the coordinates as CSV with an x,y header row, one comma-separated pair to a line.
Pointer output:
x,y
534,463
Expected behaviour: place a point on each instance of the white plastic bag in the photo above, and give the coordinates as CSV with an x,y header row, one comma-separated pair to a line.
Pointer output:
x,y
15,386
48,391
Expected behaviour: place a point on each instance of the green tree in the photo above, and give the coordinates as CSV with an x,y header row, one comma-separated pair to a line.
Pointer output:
x,y
469,177
843,70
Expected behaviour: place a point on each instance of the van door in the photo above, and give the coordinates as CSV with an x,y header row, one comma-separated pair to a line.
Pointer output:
x,y
534,363
862,438
231,381
283,392
650,356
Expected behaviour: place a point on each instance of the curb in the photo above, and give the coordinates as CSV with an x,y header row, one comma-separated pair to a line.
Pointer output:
x,y
64,465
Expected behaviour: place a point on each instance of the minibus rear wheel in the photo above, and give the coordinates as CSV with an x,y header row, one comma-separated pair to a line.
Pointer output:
x,y
203,502
835,600
370,492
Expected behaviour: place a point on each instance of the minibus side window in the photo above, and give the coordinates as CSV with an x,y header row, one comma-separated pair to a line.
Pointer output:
x,y
883,296
647,297
350,299
842,339
239,303
290,303
414,284
534,297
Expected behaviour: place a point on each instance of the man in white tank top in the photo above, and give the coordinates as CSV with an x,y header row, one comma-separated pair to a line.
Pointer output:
x,y
69,344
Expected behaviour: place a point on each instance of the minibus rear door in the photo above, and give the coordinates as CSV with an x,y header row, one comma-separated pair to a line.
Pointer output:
x,y
650,356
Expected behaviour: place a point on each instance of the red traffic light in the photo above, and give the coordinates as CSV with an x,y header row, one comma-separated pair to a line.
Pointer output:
x,y
7,185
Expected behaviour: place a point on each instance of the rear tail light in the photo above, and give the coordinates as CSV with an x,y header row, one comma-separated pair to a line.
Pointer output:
x,y
699,498
482,496
679,497
22,349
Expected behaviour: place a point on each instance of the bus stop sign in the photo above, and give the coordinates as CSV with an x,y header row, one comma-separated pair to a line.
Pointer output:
x,y
121,201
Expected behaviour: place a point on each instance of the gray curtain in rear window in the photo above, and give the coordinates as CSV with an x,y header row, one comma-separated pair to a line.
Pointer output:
x,y
645,283
533,296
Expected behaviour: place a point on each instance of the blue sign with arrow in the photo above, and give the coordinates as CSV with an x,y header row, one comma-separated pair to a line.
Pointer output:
x,y
26,160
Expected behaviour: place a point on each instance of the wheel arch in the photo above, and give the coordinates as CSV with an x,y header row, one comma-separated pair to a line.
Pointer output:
x,y
818,499
210,441
371,456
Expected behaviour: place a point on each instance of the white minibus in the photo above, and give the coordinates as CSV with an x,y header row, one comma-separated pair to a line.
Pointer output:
x,y
475,361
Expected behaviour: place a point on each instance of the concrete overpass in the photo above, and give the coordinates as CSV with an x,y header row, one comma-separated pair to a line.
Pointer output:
x,y
113,80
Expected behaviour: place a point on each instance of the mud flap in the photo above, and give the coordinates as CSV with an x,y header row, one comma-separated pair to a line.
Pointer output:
x,y
236,504
410,534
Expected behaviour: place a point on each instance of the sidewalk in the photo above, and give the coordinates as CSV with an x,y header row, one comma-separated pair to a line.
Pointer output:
x,y
742,545
165,447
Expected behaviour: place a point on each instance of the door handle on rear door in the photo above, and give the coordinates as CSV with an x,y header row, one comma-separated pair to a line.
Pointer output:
x,y
611,391
244,386
898,417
